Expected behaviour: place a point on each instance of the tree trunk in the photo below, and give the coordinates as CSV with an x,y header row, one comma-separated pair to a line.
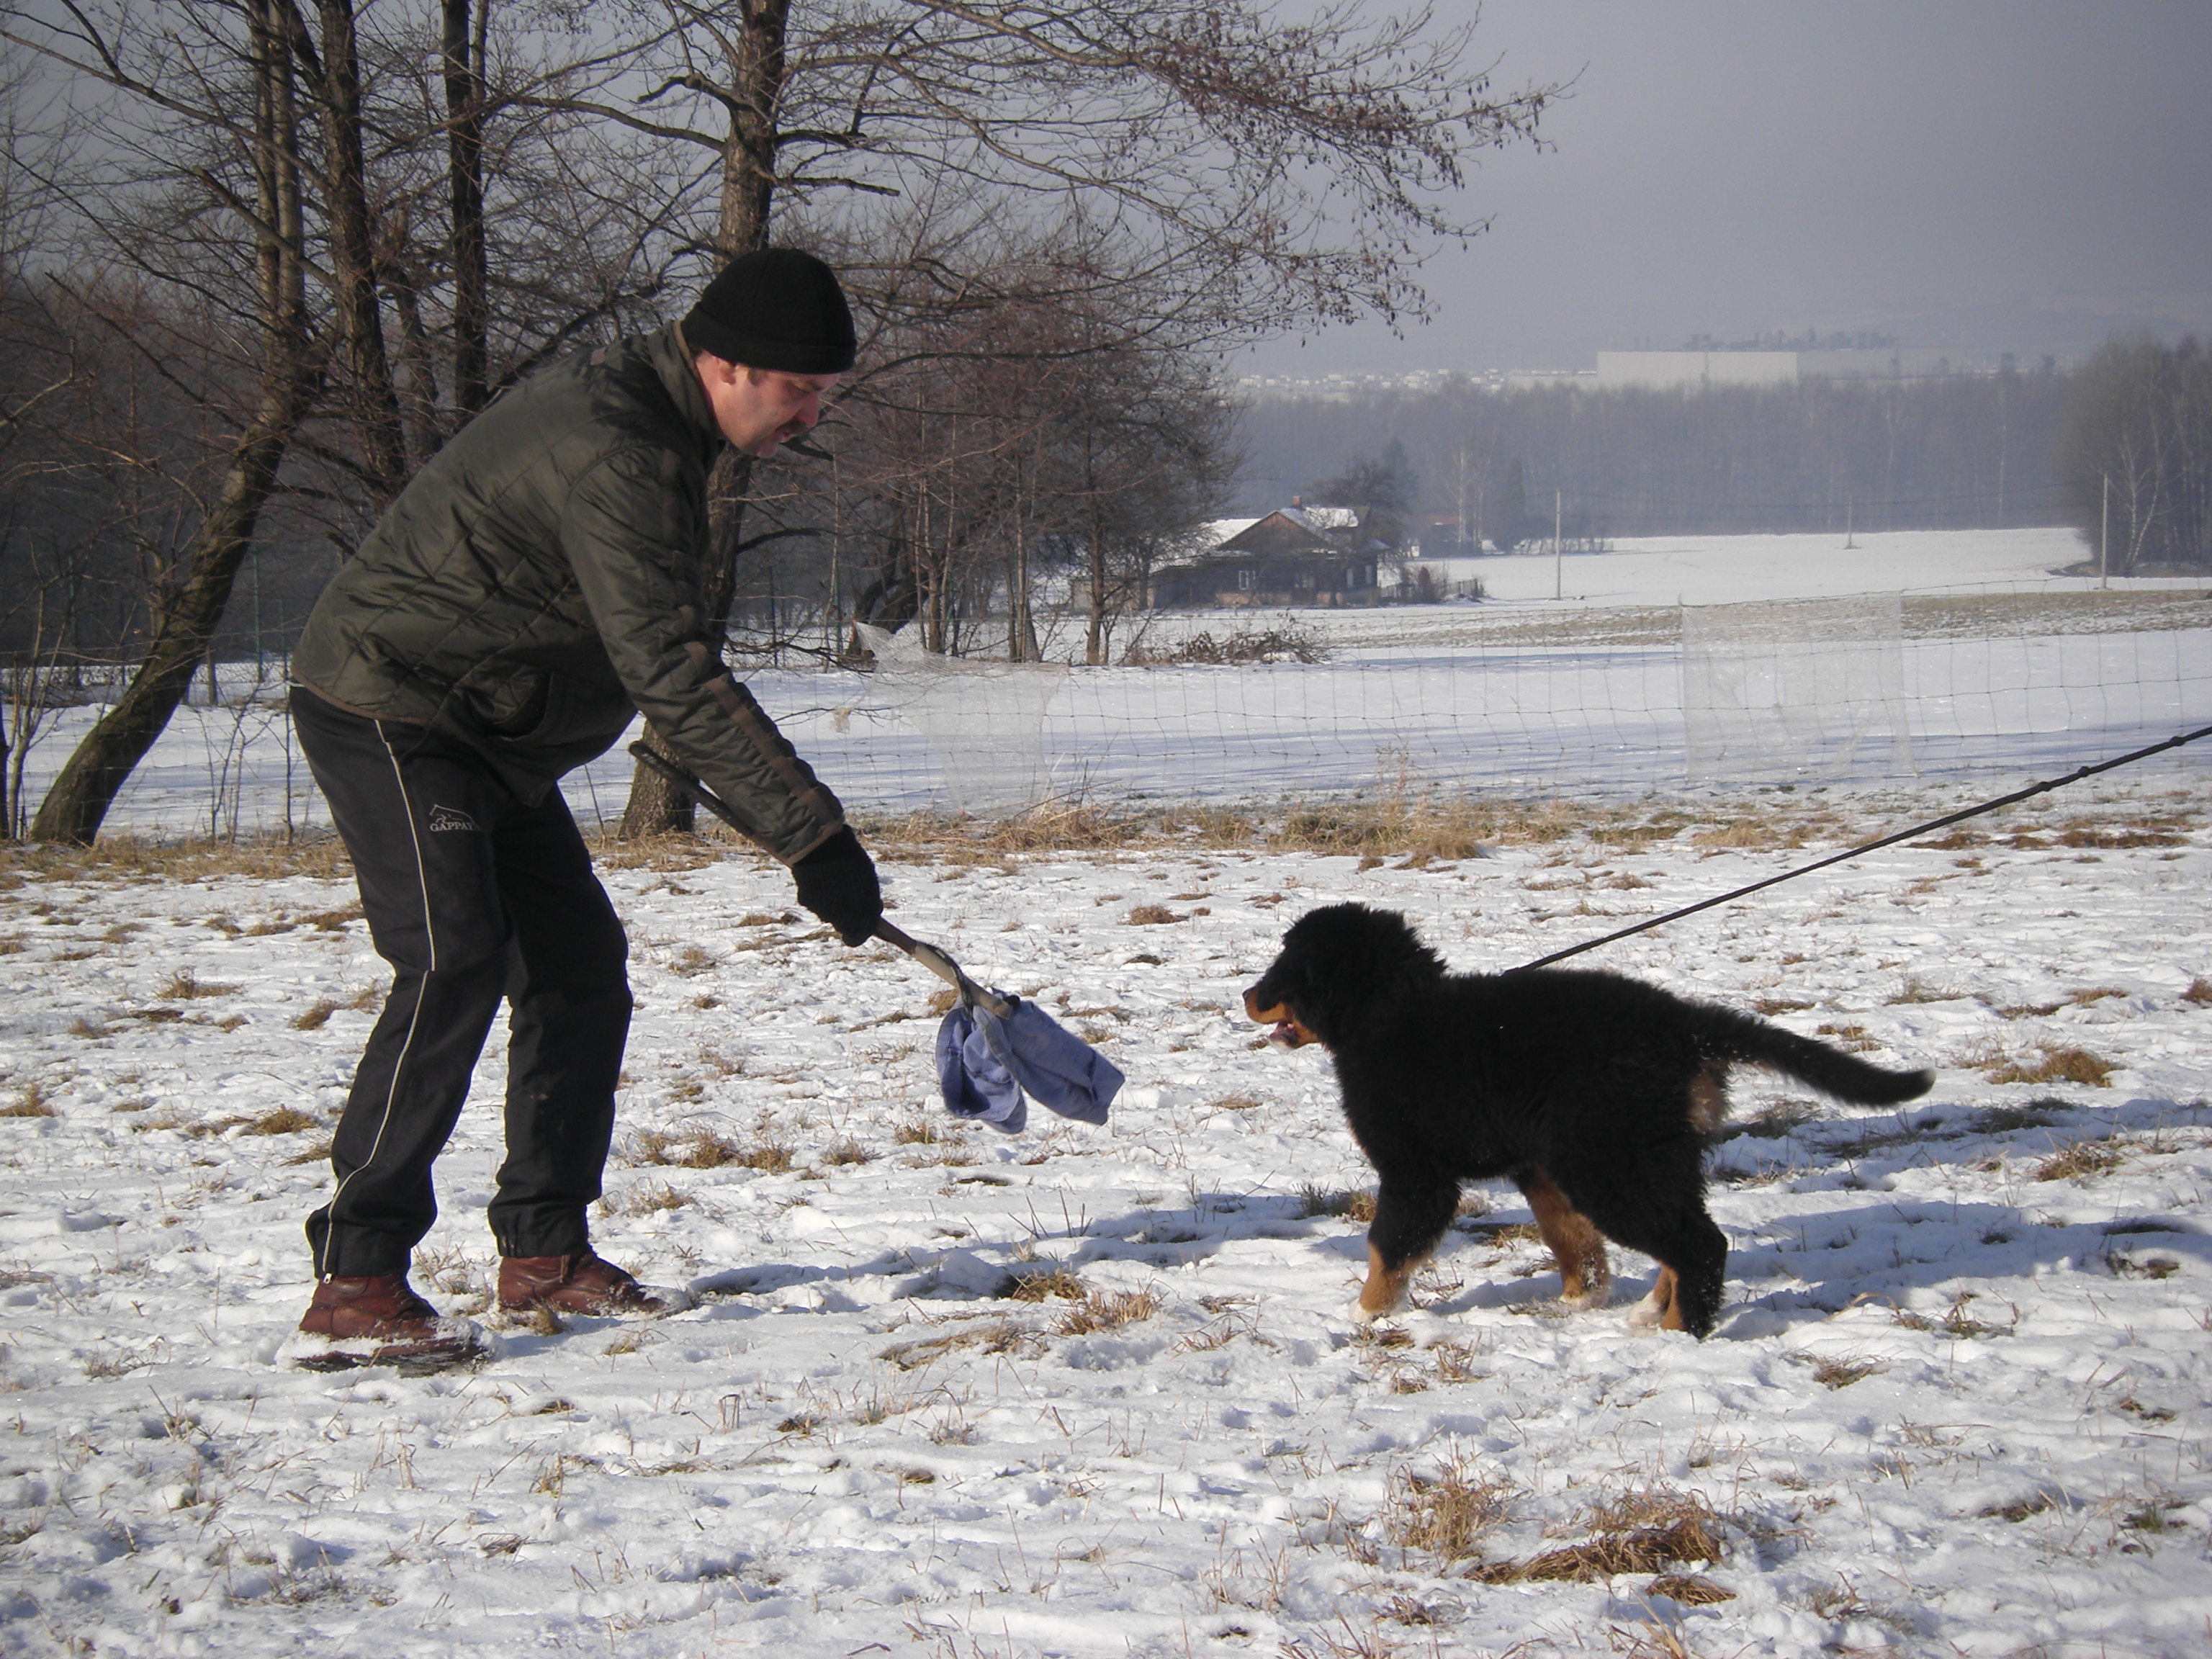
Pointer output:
x,y
78,801
185,622
464,56
656,806
749,159
353,255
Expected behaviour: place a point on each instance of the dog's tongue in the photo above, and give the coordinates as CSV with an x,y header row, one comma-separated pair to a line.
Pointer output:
x,y
1286,1034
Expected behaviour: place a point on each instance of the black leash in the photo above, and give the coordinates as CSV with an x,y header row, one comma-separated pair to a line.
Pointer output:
x,y
1873,845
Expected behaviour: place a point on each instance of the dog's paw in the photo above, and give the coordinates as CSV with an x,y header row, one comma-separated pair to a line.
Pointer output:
x,y
1363,1316
1646,1315
1596,1297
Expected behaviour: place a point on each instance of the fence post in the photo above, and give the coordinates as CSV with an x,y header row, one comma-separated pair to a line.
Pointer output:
x,y
1559,578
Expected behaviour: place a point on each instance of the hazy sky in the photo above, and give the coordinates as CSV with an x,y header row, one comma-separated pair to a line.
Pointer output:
x,y
1991,175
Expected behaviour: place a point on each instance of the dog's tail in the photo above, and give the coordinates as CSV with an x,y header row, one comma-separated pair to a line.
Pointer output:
x,y
1727,1035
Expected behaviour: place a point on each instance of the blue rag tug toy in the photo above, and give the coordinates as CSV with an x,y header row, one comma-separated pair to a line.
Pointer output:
x,y
993,1049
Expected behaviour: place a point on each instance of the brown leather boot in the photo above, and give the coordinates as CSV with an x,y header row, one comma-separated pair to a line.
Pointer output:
x,y
581,1285
377,1319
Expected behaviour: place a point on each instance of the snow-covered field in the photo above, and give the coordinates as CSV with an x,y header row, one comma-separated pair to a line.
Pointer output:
x,y
2002,668
1957,1404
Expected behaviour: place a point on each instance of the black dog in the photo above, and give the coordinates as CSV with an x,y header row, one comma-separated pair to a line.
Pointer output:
x,y
1593,1093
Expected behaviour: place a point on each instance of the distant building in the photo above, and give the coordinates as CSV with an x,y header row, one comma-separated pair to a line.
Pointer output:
x,y
1294,555
1524,379
1691,371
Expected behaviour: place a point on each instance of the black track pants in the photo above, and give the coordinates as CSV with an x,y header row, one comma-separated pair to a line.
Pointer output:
x,y
471,895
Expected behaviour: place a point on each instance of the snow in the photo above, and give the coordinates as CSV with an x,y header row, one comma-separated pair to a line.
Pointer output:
x,y
1519,695
1956,1404
1733,570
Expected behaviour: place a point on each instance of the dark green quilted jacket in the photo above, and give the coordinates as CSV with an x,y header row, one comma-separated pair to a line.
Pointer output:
x,y
538,582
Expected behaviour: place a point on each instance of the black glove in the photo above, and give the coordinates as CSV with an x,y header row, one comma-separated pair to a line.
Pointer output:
x,y
837,882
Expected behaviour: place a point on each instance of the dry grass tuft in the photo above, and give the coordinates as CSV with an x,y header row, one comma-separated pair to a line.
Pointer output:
x,y
1775,1120
1000,1336
284,1121
1043,1286
703,1149
1691,1589
2092,1155
1839,1373
30,1102
1108,1310
672,854
1956,1322
1851,1039
2004,1119
647,1199
1455,1363
316,1016
118,858
1447,1513
1153,915
1758,833
1352,1205
2021,1508
2054,1063
918,1132
1642,1532
1505,1232
840,1153
1916,989
184,985
1242,644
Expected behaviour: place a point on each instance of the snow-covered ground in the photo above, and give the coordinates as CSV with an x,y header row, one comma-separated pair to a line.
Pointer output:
x,y
1730,569
1957,1404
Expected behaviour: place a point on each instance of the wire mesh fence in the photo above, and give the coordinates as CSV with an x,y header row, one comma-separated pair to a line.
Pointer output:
x,y
1595,702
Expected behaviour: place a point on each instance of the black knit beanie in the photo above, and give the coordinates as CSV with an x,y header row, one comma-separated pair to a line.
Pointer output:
x,y
777,308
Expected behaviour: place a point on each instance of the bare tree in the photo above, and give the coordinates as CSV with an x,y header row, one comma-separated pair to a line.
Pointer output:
x,y
1258,172
226,102
2136,454
282,197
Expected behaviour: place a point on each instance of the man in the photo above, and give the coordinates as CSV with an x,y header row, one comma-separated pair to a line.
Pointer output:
x,y
535,586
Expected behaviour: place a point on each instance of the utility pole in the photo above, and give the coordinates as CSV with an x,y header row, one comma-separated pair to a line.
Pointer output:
x,y
2105,535
1558,579
1850,546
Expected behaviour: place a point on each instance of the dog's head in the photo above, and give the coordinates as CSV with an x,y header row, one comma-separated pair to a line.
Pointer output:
x,y
1337,965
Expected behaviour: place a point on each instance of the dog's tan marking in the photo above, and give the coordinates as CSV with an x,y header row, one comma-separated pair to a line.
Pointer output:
x,y
1384,1289
1585,1271
1281,1014
1709,1098
1661,1308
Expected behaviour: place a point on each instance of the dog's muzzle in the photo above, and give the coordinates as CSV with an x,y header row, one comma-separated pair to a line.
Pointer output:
x,y
1288,1032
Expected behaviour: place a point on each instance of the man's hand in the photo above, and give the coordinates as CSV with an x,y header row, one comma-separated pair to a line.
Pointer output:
x,y
837,882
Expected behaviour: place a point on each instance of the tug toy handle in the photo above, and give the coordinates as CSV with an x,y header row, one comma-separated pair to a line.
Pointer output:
x,y
938,961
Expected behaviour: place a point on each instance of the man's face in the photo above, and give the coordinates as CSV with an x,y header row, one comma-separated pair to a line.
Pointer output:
x,y
758,408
